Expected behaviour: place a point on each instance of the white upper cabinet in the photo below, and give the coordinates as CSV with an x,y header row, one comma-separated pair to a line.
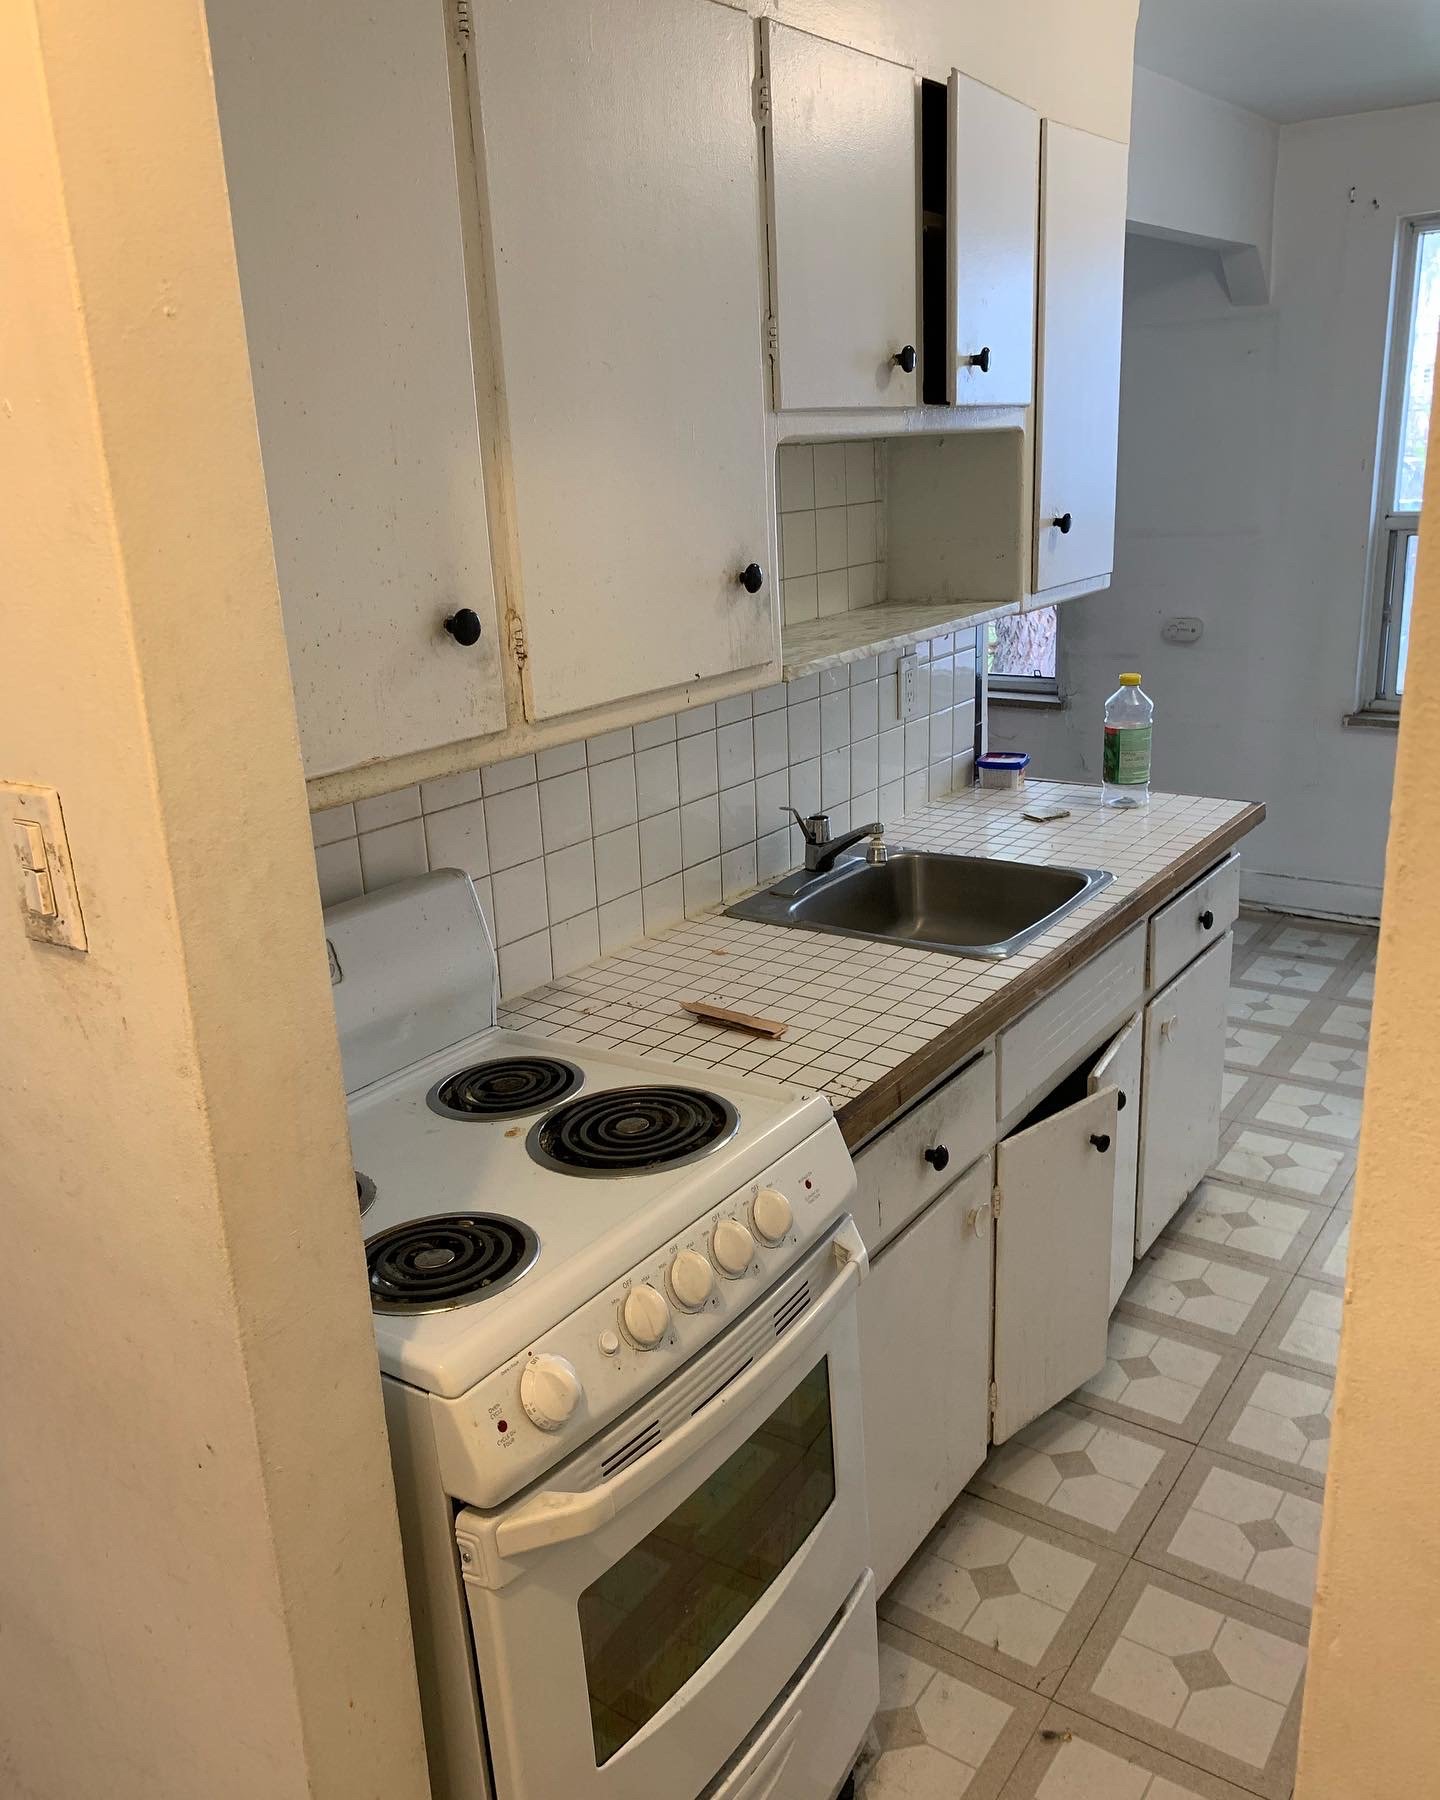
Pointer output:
x,y
340,158
840,135
993,186
1082,273
620,165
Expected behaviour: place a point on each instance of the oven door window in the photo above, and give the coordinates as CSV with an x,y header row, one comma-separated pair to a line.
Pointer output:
x,y
649,1622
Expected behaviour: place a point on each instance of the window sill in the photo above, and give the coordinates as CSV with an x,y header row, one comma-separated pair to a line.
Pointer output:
x,y
1025,702
1371,721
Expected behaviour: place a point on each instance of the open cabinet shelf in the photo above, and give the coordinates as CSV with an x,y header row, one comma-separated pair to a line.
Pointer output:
x,y
888,625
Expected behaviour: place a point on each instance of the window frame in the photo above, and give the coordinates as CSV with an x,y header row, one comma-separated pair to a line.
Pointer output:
x,y
1022,687
1391,531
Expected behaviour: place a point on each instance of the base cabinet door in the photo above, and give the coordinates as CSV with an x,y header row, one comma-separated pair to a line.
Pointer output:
x,y
925,1368
1056,1186
1119,1067
1184,1075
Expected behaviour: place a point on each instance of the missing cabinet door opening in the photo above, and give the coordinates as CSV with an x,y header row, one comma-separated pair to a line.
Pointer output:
x,y
934,238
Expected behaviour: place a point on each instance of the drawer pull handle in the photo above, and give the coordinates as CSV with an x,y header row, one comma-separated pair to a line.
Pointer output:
x,y
752,578
977,1219
905,359
938,1157
464,626
1207,920
1122,1100
1101,1140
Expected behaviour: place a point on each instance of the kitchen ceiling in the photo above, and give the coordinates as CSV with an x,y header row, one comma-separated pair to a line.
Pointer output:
x,y
1297,59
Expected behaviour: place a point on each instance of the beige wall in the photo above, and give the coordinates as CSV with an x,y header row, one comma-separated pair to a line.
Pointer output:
x,y
200,1584
1372,1728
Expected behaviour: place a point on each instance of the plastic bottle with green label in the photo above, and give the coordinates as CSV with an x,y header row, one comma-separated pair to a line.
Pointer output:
x,y
1129,727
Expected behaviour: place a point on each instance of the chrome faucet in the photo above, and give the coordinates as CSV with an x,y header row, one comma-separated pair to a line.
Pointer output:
x,y
822,851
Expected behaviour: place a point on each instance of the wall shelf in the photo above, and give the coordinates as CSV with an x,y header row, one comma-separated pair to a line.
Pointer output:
x,y
888,625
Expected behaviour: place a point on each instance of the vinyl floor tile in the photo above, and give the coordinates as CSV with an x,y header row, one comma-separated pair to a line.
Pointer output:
x,y
1004,1591
1079,1759
1208,1292
1248,1533
1304,1330
1277,1418
1164,1379
1273,1230
1101,1478
1328,1260
1284,1162
1198,1675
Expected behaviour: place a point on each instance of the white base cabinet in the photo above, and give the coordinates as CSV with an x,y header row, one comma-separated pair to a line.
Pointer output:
x,y
925,1361
1119,1068
1184,1076
1055,1183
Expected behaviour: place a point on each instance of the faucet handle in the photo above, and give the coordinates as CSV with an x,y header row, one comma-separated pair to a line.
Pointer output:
x,y
815,829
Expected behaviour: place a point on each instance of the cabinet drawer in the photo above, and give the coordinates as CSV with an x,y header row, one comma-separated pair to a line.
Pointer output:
x,y
903,1170
1198,918
1053,1036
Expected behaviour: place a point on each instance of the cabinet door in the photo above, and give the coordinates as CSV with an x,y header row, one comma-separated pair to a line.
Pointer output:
x,y
840,137
925,1368
1082,279
622,175
1052,1258
1119,1068
1184,1076
994,186
340,158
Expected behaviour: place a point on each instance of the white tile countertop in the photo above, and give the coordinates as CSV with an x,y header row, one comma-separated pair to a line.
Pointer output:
x,y
856,1011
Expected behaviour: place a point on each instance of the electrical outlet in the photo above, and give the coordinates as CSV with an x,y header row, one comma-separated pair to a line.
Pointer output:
x,y
908,675
49,901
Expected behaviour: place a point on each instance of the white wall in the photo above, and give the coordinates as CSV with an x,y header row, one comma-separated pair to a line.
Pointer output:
x,y
1247,453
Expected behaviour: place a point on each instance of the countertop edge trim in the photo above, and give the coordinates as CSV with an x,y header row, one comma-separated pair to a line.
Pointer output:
x,y
895,1093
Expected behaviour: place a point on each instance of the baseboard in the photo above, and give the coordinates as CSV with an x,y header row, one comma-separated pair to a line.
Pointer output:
x,y
1310,898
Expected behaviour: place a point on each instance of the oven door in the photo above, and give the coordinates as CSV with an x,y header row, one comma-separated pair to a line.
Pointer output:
x,y
632,1628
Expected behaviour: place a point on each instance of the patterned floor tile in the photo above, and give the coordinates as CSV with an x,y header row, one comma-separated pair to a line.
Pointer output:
x,y
1085,1473
1003,1591
945,1727
1287,974
1254,1536
1256,1006
1162,1379
1269,1229
1328,943
1347,1022
1239,1089
1317,1063
1211,1294
1075,1758
1362,988
1311,1111
1254,928
1304,1330
1249,1047
1198,1675
1290,1164
1327,1261
1276,1418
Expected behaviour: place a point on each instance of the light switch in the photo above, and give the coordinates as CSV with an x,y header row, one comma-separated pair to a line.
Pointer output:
x,y
49,899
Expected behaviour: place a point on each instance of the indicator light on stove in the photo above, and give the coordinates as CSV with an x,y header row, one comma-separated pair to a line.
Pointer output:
x,y
609,1343
692,1280
771,1216
645,1315
732,1247
550,1391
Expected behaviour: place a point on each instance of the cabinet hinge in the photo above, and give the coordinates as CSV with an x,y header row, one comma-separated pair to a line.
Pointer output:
x,y
762,98
519,649
772,335
995,1201
462,20
994,1401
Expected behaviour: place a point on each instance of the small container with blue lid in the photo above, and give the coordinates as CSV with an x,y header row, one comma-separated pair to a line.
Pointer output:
x,y
1003,768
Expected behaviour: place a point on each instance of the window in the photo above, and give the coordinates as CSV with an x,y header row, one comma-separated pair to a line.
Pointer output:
x,y
1020,653
1405,430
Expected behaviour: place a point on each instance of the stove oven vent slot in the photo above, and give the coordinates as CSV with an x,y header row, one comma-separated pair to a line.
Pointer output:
x,y
791,1308
720,1388
631,1449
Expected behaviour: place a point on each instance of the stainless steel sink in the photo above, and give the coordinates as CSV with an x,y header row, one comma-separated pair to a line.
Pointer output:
x,y
963,905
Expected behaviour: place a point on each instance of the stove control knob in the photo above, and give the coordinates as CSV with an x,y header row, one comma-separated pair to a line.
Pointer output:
x,y
692,1280
549,1391
645,1316
732,1247
771,1216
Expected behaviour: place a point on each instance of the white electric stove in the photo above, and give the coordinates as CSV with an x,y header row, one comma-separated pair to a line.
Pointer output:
x,y
614,1306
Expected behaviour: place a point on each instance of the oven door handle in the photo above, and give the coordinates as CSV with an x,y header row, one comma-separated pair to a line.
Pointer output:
x,y
556,1518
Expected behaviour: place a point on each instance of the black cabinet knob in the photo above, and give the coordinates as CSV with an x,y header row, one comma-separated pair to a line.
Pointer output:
x,y
981,361
1063,523
938,1157
1101,1141
1122,1100
1207,920
906,358
464,626
752,578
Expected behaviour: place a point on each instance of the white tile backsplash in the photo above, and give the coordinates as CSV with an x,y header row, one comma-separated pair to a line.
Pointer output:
x,y
581,849
832,550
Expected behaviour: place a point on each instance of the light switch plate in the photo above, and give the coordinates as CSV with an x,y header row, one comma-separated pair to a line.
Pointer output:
x,y
44,874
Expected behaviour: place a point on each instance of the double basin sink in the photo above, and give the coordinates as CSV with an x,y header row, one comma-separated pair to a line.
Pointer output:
x,y
962,905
